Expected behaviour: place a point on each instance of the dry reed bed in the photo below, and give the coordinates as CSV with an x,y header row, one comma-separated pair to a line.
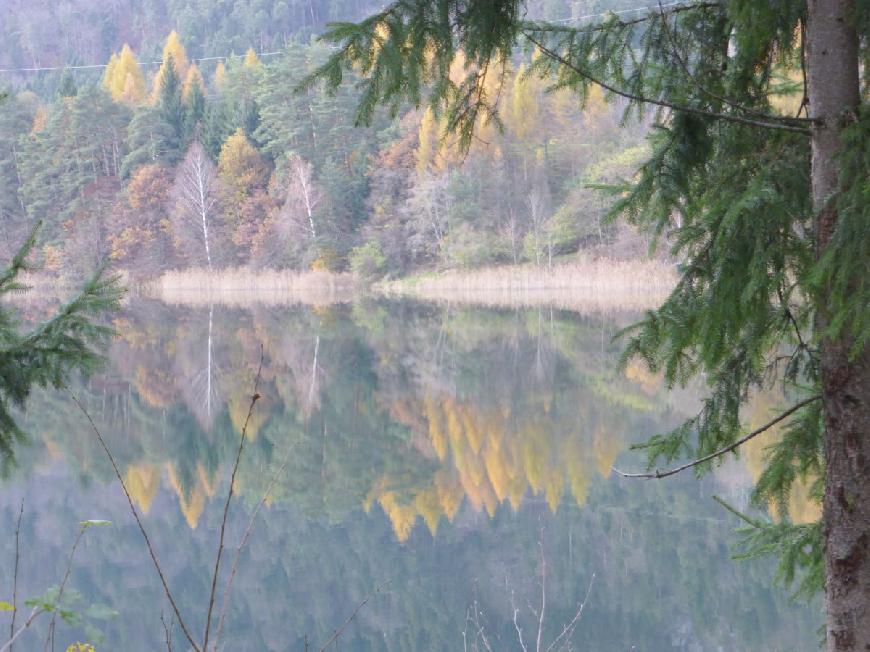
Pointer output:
x,y
242,286
594,286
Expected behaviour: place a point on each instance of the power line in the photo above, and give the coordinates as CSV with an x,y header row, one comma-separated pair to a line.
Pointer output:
x,y
141,63
615,13
563,21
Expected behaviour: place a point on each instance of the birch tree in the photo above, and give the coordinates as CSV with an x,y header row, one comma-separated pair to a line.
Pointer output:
x,y
195,196
296,220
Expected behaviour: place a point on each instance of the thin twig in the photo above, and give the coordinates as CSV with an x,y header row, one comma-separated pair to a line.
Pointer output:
x,y
15,574
33,616
49,639
133,509
167,631
481,633
347,622
569,628
229,585
516,622
217,563
664,474
791,318
663,103
805,100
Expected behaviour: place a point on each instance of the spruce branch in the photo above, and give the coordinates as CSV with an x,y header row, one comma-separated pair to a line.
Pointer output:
x,y
722,451
684,65
634,97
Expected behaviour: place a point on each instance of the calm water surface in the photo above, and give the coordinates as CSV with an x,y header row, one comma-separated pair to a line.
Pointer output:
x,y
452,457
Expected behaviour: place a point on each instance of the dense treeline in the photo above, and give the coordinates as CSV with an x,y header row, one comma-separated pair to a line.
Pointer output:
x,y
225,163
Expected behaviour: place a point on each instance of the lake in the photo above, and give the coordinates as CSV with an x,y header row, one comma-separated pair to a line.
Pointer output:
x,y
449,466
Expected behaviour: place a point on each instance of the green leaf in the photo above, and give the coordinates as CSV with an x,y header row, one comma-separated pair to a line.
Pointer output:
x,y
100,611
94,523
70,616
6,606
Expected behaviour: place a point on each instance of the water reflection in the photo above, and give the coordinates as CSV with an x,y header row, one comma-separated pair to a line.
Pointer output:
x,y
438,449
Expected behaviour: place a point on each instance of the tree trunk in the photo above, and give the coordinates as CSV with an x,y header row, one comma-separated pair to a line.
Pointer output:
x,y
832,67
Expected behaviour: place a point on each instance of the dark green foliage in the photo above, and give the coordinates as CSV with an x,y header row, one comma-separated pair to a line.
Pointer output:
x,y
195,110
67,86
171,106
216,127
842,277
81,142
48,353
150,139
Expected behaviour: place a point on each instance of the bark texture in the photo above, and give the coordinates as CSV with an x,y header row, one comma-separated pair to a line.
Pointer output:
x,y
832,67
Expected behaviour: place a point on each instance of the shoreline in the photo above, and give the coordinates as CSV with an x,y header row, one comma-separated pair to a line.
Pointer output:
x,y
582,286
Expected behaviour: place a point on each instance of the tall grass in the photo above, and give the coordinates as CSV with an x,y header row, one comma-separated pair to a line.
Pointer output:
x,y
244,286
586,285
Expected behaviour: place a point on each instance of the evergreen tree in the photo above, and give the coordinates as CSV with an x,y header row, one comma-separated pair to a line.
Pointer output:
x,y
170,99
195,109
150,139
775,285
173,51
216,127
67,86
47,354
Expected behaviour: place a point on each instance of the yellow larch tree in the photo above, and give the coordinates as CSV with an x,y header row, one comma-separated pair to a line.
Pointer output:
x,y
124,79
192,79
173,48
220,76
109,73
240,165
251,59
525,105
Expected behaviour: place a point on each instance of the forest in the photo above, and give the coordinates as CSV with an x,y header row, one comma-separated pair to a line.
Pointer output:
x,y
693,174
227,162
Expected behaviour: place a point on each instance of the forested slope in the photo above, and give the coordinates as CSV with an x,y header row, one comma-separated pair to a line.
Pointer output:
x,y
211,160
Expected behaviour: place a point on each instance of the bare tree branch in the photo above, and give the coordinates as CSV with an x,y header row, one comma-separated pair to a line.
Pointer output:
x,y
516,612
347,622
49,638
133,509
244,541
33,616
664,474
217,563
569,628
15,575
167,631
